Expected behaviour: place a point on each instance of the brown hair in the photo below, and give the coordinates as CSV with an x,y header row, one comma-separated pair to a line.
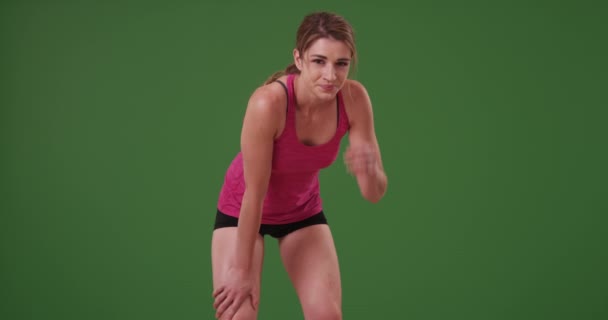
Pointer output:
x,y
315,26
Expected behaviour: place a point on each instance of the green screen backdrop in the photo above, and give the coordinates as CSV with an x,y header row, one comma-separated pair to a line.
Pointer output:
x,y
118,120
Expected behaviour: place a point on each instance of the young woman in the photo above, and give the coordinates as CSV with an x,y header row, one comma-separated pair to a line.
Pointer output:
x,y
292,128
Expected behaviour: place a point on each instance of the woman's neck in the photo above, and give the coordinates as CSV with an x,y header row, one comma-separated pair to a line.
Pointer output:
x,y
306,101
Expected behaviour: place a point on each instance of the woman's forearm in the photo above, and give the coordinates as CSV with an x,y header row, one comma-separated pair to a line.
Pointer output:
x,y
373,186
248,227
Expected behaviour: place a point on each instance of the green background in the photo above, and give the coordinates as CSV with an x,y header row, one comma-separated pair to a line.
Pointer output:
x,y
118,120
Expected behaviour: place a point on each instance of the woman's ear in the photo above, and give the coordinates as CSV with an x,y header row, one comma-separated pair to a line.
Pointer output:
x,y
297,60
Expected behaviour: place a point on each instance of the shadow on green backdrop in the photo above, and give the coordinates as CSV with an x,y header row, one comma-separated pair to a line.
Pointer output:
x,y
117,122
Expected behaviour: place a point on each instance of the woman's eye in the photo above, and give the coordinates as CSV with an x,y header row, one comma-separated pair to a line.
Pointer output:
x,y
343,64
318,61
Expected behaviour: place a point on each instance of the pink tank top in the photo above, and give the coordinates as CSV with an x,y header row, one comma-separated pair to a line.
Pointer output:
x,y
293,190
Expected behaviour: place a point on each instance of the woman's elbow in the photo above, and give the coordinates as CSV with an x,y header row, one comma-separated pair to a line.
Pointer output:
x,y
373,190
373,196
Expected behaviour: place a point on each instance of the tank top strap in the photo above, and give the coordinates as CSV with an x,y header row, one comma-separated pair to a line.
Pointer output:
x,y
343,123
291,101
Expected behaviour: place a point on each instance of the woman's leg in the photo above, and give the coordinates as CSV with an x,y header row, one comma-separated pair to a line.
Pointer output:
x,y
310,258
222,254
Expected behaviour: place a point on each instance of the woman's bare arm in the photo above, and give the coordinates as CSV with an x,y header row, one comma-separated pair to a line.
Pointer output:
x,y
363,156
257,137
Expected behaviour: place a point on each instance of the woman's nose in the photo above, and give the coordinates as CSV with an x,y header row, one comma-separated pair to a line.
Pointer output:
x,y
330,73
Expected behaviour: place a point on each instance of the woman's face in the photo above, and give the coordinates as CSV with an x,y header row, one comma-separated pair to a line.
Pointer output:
x,y
324,67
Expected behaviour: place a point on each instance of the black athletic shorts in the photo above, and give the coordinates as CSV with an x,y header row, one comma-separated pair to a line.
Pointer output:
x,y
223,220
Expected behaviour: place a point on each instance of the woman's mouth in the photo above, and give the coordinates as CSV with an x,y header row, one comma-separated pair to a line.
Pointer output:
x,y
327,87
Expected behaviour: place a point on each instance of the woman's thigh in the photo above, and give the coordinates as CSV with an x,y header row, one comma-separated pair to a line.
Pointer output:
x,y
310,258
222,255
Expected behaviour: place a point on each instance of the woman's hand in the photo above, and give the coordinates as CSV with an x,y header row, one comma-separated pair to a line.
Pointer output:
x,y
361,159
230,295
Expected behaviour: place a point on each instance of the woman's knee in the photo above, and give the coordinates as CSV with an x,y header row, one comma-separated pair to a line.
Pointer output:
x,y
322,311
245,316
245,312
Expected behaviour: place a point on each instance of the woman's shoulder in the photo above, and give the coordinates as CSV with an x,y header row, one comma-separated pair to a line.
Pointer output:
x,y
269,99
355,89
356,98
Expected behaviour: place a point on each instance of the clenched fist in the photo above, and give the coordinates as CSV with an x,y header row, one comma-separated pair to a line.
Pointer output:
x,y
361,159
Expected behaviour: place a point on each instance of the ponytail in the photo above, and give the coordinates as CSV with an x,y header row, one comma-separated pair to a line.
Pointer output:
x,y
291,69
